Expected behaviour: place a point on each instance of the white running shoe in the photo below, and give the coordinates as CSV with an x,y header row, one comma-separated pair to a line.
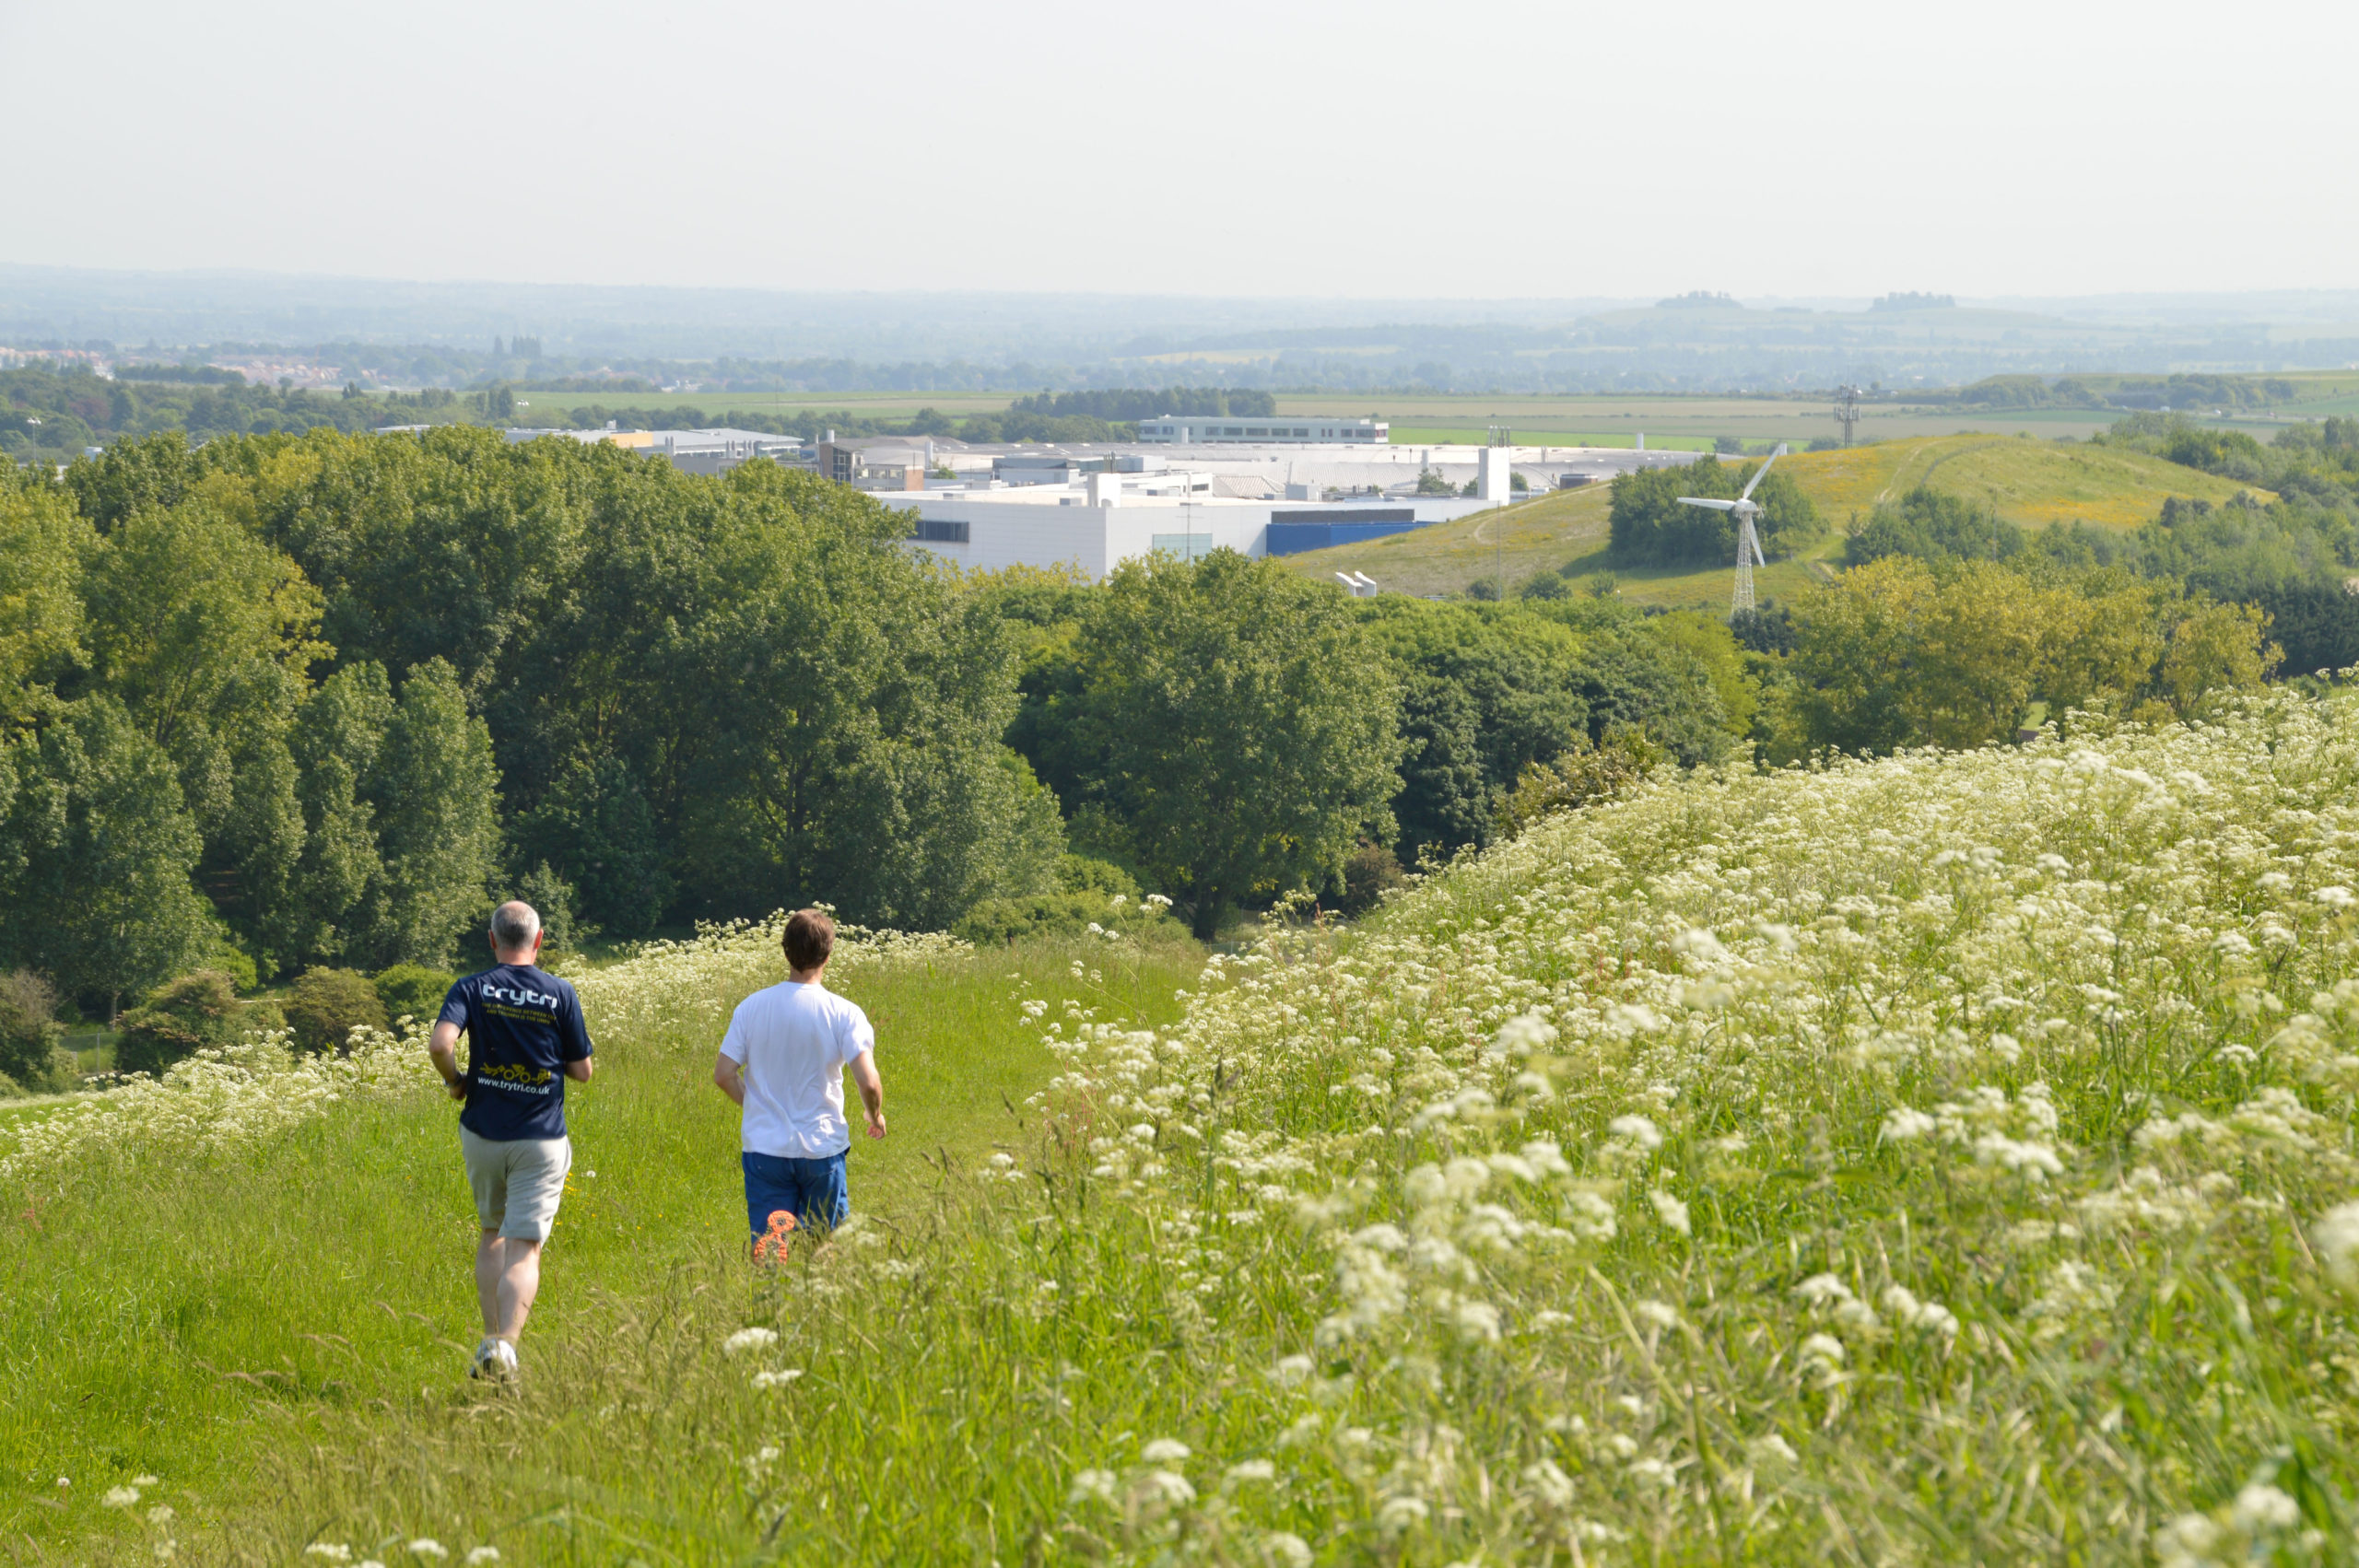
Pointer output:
x,y
480,1364
503,1360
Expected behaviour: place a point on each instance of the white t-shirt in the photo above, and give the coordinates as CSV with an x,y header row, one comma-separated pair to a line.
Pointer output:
x,y
794,1041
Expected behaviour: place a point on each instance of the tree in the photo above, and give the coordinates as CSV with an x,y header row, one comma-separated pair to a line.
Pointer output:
x,y
329,1005
413,991
1708,640
43,546
197,1012
1444,799
811,711
1246,727
434,791
335,743
1853,640
190,614
450,547
1649,527
30,1035
1933,526
101,849
207,635
2212,649
595,828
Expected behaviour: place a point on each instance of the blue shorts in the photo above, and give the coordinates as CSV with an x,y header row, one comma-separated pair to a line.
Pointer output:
x,y
813,1191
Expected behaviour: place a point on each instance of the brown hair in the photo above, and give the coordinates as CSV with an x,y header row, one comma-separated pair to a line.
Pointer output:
x,y
810,937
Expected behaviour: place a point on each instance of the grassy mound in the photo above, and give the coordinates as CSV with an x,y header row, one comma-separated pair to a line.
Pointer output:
x,y
1942,1159
2031,483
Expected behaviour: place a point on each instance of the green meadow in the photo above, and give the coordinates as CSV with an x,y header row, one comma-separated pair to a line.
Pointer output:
x,y
225,1319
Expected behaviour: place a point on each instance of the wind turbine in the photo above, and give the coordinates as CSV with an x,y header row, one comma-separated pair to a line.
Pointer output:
x,y
1748,543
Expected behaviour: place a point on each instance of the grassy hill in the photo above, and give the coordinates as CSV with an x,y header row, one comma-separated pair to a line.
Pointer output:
x,y
1920,1161
2031,483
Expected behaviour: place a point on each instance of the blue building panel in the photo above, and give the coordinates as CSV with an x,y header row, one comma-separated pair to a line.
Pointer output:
x,y
1292,533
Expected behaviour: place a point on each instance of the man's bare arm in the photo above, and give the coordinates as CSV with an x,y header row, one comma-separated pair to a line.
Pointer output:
x,y
580,1071
728,1079
872,1090
443,1047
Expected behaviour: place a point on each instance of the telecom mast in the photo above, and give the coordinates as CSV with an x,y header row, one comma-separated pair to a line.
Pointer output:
x,y
1846,409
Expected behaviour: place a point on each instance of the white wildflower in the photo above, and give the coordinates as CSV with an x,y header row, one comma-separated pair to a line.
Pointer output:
x,y
1165,1451
1821,1289
1092,1486
1549,1485
1671,1210
2336,1235
1656,1314
2260,1507
1631,1018
1286,1550
1478,1320
749,1339
1171,1487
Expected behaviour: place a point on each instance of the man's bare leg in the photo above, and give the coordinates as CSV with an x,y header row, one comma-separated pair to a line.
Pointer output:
x,y
519,1281
507,1276
491,1261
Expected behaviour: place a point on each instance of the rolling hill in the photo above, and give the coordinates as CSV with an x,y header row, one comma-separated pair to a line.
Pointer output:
x,y
2029,483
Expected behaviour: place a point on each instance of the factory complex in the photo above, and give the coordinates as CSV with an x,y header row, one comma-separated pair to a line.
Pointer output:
x,y
1094,506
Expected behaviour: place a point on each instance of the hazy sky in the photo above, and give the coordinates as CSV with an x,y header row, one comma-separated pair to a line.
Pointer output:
x,y
1207,148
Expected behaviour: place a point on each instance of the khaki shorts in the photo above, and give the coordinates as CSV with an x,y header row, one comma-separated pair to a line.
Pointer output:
x,y
516,1183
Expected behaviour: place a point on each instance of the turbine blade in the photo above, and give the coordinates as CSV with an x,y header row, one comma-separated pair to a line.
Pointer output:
x,y
1718,506
1761,472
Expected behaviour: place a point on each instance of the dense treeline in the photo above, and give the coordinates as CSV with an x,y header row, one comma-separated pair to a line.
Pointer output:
x,y
278,703
1905,653
1481,691
53,415
50,415
1131,404
2182,390
283,703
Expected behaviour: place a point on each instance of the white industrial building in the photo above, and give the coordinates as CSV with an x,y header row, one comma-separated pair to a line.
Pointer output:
x,y
1103,518
1211,430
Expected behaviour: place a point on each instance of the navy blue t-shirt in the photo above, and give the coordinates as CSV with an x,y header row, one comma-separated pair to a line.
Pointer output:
x,y
523,1026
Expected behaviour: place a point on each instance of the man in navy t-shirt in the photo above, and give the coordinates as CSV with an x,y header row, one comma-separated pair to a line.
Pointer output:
x,y
525,1038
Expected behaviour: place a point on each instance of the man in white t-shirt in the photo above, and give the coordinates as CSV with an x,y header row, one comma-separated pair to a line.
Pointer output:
x,y
784,1061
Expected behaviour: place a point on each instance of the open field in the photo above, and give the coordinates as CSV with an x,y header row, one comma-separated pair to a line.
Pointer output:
x,y
1475,434
205,1315
1675,422
2029,483
1942,1159
1671,422
870,406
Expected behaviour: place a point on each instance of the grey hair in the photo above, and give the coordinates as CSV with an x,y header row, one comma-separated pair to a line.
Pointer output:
x,y
513,925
